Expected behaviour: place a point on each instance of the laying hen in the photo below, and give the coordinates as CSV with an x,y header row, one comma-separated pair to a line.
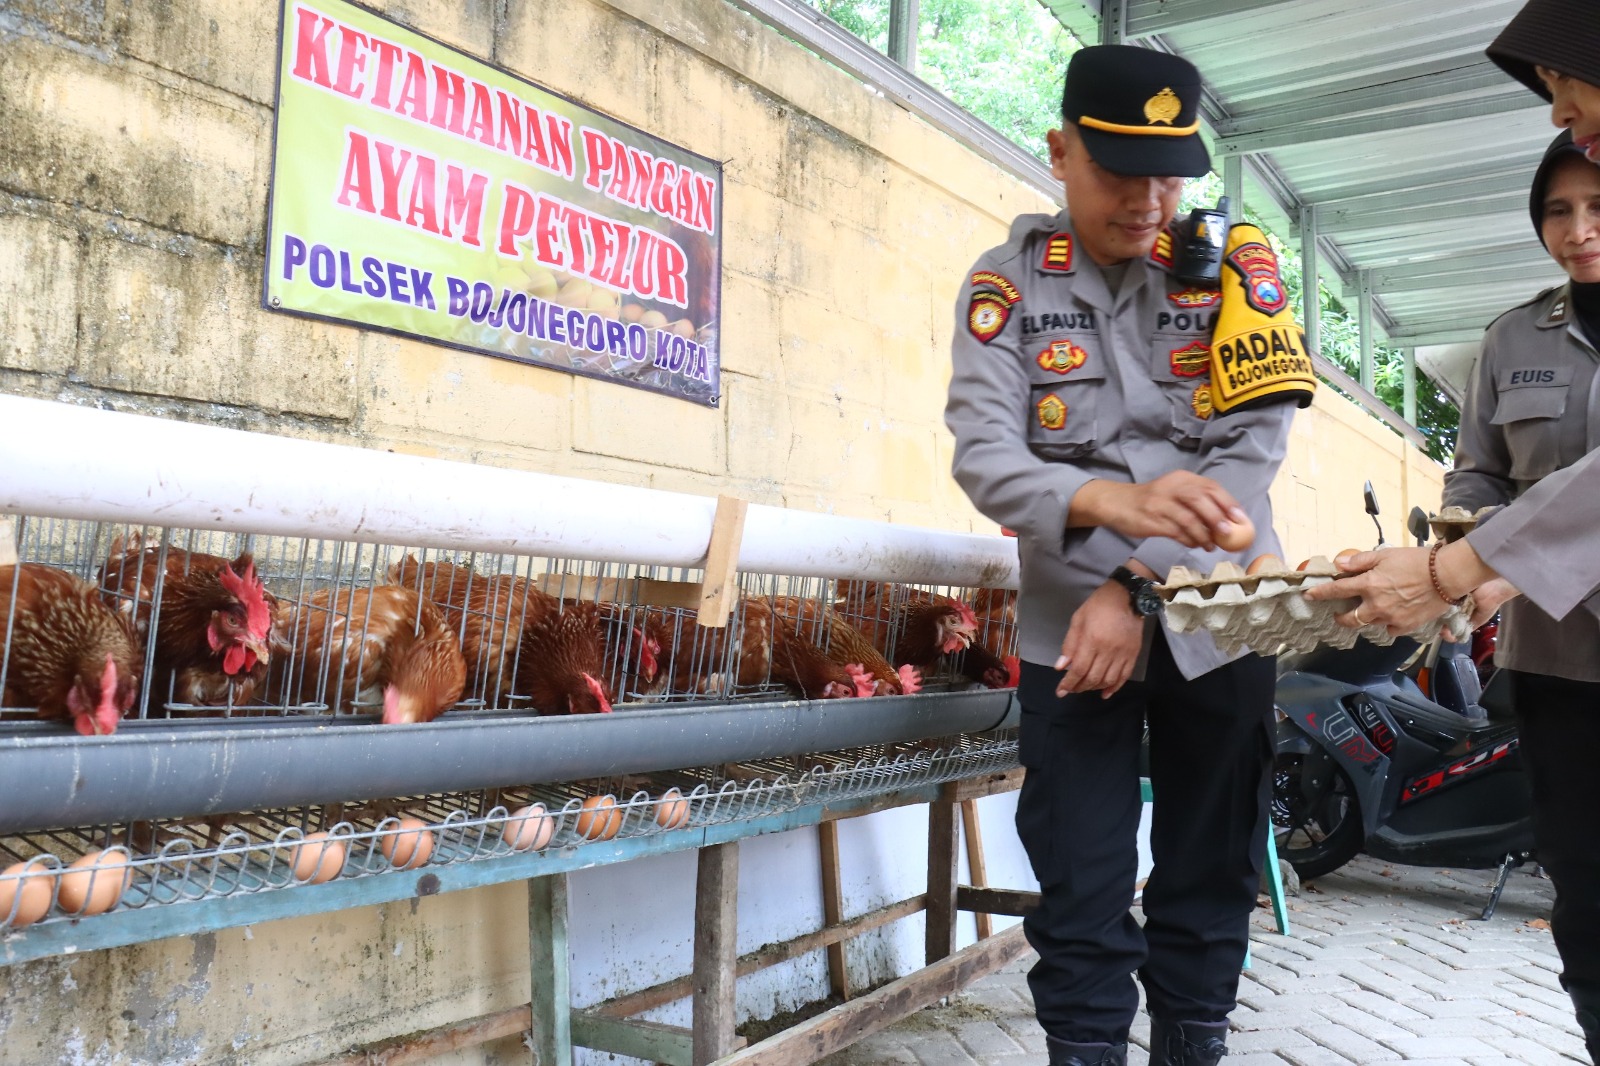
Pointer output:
x,y
846,645
916,627
384,644
518,639
214,626
69,655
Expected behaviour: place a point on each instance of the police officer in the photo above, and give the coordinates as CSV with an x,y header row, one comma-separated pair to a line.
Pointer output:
x,y
1083,374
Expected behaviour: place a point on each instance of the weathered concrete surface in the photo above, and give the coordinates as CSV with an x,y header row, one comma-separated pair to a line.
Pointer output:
x,y
1384,965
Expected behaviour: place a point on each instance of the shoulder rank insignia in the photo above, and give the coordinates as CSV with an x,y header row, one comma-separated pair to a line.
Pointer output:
x,y
1195,298
1057,254
1052,412
1258,269
1558,310
998,282
986,315
1161,252
1201,401
1062,357
1192,360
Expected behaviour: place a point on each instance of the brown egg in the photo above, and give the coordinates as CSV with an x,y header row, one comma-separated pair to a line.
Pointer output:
x,y
529,828
1303,564
683,328
319,858
653,320
410,847
29,894
599,818
94,883
1240,536
602,300
1347,553
542,283
575,293
1269,563
673,810
632,312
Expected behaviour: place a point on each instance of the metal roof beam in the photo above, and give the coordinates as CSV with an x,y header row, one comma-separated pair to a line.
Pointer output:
x,y
1495,183
1507,257
1487,275
1449,336
1334,222
1465,175
1411,86
1146,18
1266,137
1417,334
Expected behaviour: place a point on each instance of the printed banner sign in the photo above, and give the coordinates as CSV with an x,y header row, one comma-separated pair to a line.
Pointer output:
x,y
420,191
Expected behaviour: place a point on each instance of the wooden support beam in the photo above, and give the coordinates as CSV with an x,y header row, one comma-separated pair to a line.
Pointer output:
x,y
842,1026
550,969
427,1046
991,784
942,839
651,1041
976,867
715,952
982,901
833,907
8,542
720,590
756,961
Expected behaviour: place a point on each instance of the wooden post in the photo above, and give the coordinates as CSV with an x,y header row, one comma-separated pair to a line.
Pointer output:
x,y
715,951
976,867
832,906
942,840
549,966
8,542
720,590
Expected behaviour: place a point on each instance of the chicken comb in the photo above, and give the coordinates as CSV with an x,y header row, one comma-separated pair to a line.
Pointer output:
x,y
249,591
967,614
599,691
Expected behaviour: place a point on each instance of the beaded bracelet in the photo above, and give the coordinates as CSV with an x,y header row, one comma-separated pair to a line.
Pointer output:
x,y
1433,572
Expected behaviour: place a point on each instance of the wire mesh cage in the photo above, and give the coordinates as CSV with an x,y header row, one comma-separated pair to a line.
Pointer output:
x,y
103,621
65,874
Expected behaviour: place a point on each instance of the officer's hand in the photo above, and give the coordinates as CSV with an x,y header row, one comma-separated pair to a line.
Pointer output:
x,y
1488,598
1192,510
1102,645
1392,587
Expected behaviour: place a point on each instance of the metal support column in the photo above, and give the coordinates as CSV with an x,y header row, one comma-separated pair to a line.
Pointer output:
x,y
1368,331
549,966
1233,186
904,20
1113,21
1409,407
1310,296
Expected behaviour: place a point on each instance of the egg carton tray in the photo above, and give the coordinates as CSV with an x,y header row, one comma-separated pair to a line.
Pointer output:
x,y
1267,611
1453,523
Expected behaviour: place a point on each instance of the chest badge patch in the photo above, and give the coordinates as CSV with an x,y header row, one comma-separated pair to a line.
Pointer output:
x,y
1201,400
1062,357
1057,254
1258,268
986,316
1191,298
1191,360
1052,412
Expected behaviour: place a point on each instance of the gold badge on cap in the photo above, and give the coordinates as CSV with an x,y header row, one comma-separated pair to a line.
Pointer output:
x,y
1052,412
1163,107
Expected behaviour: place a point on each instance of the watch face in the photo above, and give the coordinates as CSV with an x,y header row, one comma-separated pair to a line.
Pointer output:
x,y
1147,601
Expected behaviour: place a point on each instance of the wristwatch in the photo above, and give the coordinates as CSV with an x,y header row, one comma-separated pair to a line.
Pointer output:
x,y
1142,594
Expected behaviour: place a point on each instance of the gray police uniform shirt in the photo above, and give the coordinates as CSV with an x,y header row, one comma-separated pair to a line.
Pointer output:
x,y
1533,409
1058,381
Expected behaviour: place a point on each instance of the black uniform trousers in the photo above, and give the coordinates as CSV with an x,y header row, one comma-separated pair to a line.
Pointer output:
x,y
1078,817
1559,727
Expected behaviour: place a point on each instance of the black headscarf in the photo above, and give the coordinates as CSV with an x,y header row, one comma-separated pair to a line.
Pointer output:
x,y
1563,35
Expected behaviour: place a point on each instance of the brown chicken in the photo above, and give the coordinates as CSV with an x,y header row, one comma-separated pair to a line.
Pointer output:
x,y
518,639
69,654
912,626
214,628
846,645
387,645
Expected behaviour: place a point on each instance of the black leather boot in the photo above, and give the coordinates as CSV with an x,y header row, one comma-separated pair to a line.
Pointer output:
x,y
1174,1043
1587,1002
1064,1053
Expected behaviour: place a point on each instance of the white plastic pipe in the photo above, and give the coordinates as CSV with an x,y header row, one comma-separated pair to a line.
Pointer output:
x,y
64,461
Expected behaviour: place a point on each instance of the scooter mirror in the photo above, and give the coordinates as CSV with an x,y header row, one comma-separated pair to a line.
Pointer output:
x,y
1417,523
1371,497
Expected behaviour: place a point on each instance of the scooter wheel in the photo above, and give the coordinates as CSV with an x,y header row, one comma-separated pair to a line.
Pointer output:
x,y
1318,833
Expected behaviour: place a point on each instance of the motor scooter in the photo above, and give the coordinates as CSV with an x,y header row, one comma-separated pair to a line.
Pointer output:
x,y
1365,759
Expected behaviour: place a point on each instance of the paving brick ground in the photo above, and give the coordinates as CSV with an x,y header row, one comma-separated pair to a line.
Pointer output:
x,y
1383,964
